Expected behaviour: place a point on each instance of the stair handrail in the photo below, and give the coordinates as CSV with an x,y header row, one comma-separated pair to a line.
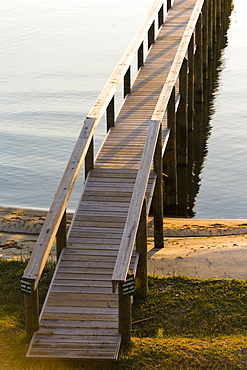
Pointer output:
x,y
173,75
132,221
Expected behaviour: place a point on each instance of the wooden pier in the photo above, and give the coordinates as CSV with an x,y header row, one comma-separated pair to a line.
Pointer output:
x,y
87,311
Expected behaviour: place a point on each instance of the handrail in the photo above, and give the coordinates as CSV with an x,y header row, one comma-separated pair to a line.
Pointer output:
x,y
119,72
132,221
49,230
172,77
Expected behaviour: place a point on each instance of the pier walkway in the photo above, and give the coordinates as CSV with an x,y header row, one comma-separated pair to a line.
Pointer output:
x,y
87,312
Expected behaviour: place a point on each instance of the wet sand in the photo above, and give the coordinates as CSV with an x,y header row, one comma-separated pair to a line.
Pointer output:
x,y
193,247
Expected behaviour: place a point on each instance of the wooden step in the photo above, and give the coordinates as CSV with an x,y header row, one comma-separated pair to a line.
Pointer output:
x,y
97,346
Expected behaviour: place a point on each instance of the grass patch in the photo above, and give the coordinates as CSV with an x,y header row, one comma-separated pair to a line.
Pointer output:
x,y
182,324
193,308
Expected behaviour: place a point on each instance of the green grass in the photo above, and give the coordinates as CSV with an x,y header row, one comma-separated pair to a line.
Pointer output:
x,y
182,324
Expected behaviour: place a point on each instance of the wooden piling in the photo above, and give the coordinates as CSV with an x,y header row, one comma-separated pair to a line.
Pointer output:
x,y
182,115
170,165
32,312
191,82
198,62
124,316
182,139
141,248
158,195
210,30
205,44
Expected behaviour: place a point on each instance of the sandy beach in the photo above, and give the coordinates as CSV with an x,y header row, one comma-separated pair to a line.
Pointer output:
x,y
193,247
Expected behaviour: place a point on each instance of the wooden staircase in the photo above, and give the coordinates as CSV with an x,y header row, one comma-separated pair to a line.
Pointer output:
x,y
80,315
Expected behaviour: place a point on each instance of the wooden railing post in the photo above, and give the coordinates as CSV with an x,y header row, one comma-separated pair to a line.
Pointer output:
x,y
158,195
140,56
127,82
161,16
151,35
141,247
124,316
32,311
61,237
89,158
110,114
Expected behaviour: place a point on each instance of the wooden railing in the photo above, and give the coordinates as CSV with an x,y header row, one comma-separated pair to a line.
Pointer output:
x,y
55,224
134,213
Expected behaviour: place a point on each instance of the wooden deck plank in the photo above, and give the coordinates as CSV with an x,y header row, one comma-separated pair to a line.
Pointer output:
x,y
87,251
86,286
73,275
84,325
56,315
78,331
75,354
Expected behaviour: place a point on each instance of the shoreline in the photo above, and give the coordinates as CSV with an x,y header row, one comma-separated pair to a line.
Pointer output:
x,y
203,248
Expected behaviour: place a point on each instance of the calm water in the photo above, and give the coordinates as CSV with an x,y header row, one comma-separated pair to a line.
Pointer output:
x,y
55,57
223,180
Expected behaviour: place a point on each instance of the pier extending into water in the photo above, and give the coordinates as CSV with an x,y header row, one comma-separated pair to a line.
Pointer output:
x,y
87,311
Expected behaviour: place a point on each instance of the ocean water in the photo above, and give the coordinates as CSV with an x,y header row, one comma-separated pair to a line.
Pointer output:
x,y
55,58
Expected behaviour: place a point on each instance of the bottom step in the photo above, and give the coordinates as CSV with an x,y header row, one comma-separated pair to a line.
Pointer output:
x,y
68,346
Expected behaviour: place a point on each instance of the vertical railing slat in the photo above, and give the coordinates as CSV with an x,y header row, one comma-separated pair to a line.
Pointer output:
x,y
110,114
161,16
140,56
61,237
151,35
127,82
89,159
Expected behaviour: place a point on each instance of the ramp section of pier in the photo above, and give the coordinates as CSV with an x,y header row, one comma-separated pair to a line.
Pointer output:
x,y
80,316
